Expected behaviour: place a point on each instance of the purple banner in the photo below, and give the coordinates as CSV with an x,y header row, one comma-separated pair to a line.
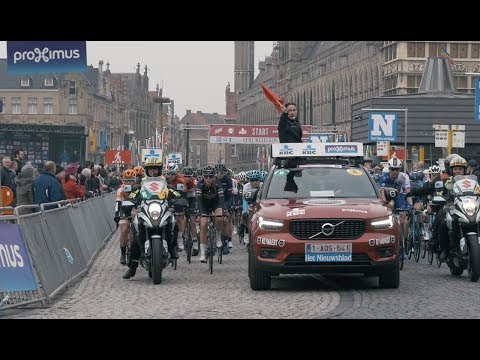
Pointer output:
x,y
16,273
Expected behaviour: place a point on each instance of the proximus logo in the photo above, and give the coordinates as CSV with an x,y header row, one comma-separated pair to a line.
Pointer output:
x,y
45,55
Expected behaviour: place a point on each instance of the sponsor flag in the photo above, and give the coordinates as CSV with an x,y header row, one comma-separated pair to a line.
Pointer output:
x,y
92,144
271,96
259,159
263,156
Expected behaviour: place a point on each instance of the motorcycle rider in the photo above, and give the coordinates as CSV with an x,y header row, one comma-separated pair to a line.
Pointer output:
x,y
456,166
128,178
153,168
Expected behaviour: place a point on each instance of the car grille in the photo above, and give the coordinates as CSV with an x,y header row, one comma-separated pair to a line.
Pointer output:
x,y
347,229
299,260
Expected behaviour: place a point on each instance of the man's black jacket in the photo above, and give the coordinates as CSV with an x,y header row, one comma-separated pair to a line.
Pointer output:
x,y
289,131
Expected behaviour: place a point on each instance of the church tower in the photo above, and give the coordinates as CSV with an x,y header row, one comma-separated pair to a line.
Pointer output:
x,y
244,66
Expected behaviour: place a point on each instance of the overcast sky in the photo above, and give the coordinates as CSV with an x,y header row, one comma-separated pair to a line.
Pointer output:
x,y
194,73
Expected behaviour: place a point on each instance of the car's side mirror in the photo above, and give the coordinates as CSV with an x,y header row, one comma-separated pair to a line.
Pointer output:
x,y
250,196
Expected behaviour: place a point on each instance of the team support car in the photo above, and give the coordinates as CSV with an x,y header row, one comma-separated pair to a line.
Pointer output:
x,y
319,211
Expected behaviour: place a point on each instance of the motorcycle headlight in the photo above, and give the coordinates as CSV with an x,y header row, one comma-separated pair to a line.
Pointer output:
x,y
269,224
154,211
469,206
383,224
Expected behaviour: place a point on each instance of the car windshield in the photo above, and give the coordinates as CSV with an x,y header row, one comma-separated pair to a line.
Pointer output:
x,y
323,181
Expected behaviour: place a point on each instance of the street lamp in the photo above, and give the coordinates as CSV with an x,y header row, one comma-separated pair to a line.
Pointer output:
x,y
406,123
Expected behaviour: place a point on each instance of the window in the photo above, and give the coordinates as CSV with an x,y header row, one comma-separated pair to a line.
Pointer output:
x,y
390,52
475,51
4,105
234,150
463,50
48,81
198,150
434,50
72,106
415,49
413,81
73,88
198,162
390,82
461,83
16,105
48,105
454,50
32,105
25,82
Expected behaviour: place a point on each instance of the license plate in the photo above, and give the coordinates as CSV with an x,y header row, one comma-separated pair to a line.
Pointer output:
x,y
328,252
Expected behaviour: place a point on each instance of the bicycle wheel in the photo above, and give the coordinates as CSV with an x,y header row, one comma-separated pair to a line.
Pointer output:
x,y
437,259
430,253
424,243
402,247
188,241
211,246
220,254
416,249
409,242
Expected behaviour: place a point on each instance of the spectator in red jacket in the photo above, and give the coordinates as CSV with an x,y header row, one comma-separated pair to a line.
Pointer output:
x,y
72,189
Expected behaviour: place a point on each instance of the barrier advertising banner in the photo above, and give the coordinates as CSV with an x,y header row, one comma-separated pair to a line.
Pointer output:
x,y
42,57
249,134
16,273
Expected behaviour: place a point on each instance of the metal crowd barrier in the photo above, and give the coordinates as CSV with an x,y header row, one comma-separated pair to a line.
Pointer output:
x,y
62,243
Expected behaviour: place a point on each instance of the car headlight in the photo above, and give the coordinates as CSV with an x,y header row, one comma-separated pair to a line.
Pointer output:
x,y
383,224
269,224
469,206
154,211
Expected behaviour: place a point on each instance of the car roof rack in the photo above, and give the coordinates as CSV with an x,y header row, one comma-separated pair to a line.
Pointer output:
x,y
294,154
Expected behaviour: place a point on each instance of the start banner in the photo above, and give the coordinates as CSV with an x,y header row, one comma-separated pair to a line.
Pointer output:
x,y
249,134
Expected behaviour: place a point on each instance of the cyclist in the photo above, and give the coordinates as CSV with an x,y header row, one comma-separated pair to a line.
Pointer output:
x,y
179,183
189,174
400,181
128,178
153,169
254,178
221,172
210,199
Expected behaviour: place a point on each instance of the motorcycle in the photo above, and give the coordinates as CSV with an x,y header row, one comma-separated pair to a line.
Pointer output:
x,y
156,215
464,254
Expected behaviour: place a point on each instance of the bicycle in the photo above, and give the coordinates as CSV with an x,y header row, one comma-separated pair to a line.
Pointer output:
x,y
413,240
211,242
403,246
187,240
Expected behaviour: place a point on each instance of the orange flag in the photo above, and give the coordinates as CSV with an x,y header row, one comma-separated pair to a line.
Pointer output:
x,y
274,98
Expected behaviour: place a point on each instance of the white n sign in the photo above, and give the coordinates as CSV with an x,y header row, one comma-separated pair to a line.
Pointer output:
x,y
382,127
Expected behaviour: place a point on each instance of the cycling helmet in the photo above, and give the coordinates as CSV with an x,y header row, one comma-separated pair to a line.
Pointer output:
x,y
242,176
458,161
264,175
230,172
128,174
416,175
188,171
253,175
172,168
139,171
220,168
434,169
394,163
208,170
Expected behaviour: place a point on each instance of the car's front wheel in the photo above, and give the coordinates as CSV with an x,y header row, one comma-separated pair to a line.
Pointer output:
x,y
259,280
390,279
